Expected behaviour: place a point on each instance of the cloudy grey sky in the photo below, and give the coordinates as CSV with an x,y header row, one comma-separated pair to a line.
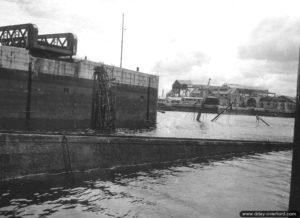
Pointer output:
x,y
250,42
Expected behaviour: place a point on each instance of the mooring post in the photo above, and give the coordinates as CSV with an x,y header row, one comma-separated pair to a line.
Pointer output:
x,y
294,204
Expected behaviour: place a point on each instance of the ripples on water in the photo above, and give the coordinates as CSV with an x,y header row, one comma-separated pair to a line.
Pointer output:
x,y
213,187
240,127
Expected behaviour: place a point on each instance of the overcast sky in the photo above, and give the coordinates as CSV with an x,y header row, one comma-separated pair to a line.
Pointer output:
x,y
230,41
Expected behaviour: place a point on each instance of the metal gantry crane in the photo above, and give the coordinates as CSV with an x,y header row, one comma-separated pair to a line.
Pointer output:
x,y
208,82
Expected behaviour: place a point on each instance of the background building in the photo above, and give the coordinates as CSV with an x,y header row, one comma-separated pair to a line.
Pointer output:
x,y
282,104
237,95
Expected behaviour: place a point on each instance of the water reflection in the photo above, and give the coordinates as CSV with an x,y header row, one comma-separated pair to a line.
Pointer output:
x,y
197,188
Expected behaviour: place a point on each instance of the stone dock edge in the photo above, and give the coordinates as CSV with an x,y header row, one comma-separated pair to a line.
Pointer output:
x,y
23,154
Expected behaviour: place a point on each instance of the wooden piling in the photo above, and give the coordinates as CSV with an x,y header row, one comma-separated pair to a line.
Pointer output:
x,y
219,114
198,116
258,118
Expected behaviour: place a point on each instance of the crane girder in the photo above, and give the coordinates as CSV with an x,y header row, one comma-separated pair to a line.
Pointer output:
x,y
26,36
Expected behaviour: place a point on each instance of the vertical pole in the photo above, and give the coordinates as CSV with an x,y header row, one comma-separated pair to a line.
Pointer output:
x,y
122,40
198,115
93,102
28,102
148,100
66,154
294,203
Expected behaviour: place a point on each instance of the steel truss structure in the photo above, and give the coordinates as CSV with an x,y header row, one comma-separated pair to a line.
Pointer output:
x,y
26,36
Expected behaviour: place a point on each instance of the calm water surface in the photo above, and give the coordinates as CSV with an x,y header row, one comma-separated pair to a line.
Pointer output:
x,y
184,124
213,187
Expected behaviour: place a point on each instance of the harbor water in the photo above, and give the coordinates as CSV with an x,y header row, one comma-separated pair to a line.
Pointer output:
x,y
239,127
210,187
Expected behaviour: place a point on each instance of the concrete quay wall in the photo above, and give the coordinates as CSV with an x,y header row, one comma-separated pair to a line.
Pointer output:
x,y
27,154
19,58
65,103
